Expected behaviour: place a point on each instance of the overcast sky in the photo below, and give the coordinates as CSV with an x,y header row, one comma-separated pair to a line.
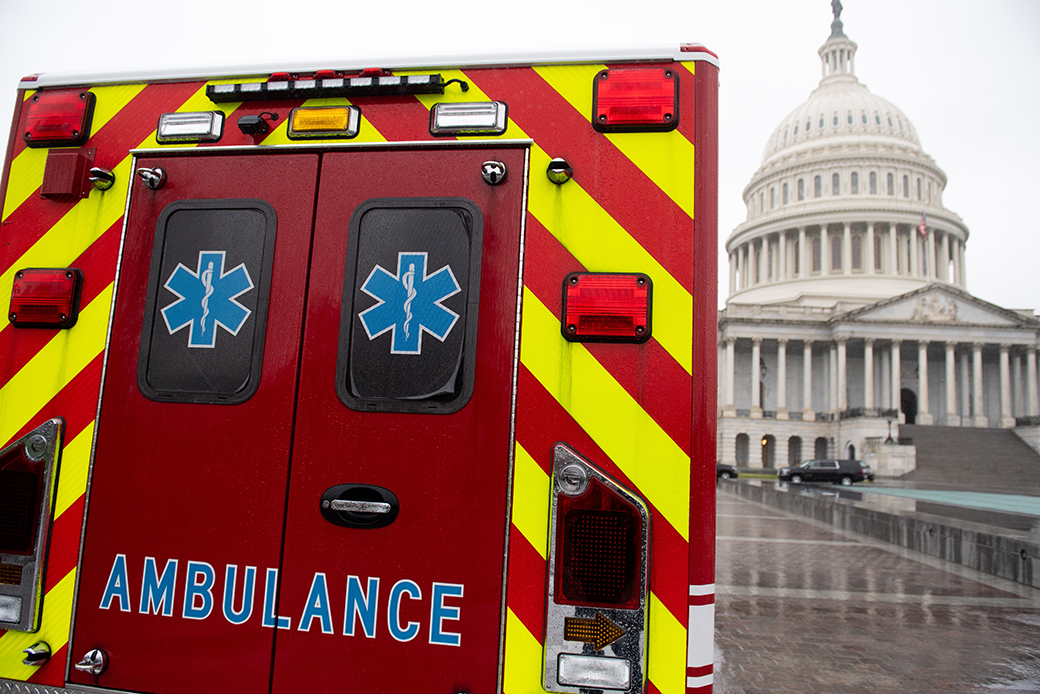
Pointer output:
x,y
965,72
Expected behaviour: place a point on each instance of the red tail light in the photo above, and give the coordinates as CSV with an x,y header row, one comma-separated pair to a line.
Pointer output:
x,y
606,307
59,119
45,298
644,99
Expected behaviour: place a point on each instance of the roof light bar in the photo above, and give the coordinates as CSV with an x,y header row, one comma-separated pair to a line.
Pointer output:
x,y
342,122
59,119
477,118
327,84
203,126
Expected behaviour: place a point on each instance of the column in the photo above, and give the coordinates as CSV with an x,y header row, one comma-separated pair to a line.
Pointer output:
x,y
944,258
846,248
951,420
930,249
1017,401
979,418
963,266
781,379
923,415
783,256
843,383
760,260
728,407
832,399
804,261
743,266
808,414
1006,420
915,267
868,373
897,382
732,273
885,395
965,389
869,254
1032,404
756,384
893,249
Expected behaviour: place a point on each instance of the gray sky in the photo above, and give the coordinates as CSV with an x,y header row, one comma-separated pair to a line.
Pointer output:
x,y
965,72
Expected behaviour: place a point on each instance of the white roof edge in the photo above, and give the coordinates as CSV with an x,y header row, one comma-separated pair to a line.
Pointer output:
x,y
504,59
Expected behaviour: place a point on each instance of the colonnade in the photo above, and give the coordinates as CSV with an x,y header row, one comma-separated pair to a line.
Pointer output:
x,y
965,404
845,248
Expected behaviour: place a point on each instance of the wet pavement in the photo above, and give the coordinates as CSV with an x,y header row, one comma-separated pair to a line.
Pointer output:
x,y
803,607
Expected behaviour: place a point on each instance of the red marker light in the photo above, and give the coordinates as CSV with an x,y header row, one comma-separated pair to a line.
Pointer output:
x,y
644,99
45,298
58,119
607,307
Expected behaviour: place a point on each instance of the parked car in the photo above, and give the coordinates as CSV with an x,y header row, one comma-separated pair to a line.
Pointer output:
x,y
843,472
725,472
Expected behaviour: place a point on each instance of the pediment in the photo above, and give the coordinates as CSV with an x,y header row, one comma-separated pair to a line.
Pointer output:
x,y
936,305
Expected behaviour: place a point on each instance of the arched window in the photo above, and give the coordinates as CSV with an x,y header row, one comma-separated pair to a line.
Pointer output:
x,y
817,187
761,202
835,252
772,197
873,183
835,184
816,254
785,194
854,182
918,188
850,117
821,121
794,450
801,189
808,125
891,184
877,118
906,186
741,445
857,252
864,117
835,119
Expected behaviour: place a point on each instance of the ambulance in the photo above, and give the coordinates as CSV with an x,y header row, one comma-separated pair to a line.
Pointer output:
x,y
381,378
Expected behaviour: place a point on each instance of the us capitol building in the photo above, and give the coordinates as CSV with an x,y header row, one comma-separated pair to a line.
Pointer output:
x,y
848,312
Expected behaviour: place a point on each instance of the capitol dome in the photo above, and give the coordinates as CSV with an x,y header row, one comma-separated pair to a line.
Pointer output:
x,y
835,210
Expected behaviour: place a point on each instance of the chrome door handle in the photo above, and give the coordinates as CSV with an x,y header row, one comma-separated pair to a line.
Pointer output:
x,y
359,506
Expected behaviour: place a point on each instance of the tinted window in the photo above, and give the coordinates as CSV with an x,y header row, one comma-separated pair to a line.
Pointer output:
x,y
409,317
203,333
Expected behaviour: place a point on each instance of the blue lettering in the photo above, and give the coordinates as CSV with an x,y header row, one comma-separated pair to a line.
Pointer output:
x,y
116,588
270,603
361,605
440,612
393,610
196,589
230,579
157,592
317,606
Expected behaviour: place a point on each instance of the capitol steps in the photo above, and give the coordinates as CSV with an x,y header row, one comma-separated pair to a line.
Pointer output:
x,y
977,458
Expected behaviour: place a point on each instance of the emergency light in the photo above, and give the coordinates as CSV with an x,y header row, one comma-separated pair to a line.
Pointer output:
x,y
45,298
479,118
282,85
59,118
324,123
643,99
603,307
204,126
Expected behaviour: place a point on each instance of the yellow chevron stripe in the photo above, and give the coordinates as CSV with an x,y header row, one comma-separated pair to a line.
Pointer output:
x,y
667,158
54,366
625,432
27,168
523,672
595,238
54,629
279,135
602,245
72,479
532,493
666,655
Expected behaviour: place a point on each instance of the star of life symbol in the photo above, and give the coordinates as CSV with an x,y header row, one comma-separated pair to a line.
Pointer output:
x,y
206,299
409,303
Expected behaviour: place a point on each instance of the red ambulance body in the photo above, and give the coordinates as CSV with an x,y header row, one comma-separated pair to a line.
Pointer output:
x,y
361,378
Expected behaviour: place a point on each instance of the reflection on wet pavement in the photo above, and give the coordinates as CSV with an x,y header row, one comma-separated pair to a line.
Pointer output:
x,y
801,607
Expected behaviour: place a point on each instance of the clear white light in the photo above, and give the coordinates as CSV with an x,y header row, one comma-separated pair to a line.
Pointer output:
x,y
250,87
390,80
10,609
418,79
277,86
360,81
338,82
484,117
305,84
224,88
594,672
190,127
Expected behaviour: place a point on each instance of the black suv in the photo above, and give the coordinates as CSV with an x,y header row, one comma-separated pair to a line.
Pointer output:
x,y
843,472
